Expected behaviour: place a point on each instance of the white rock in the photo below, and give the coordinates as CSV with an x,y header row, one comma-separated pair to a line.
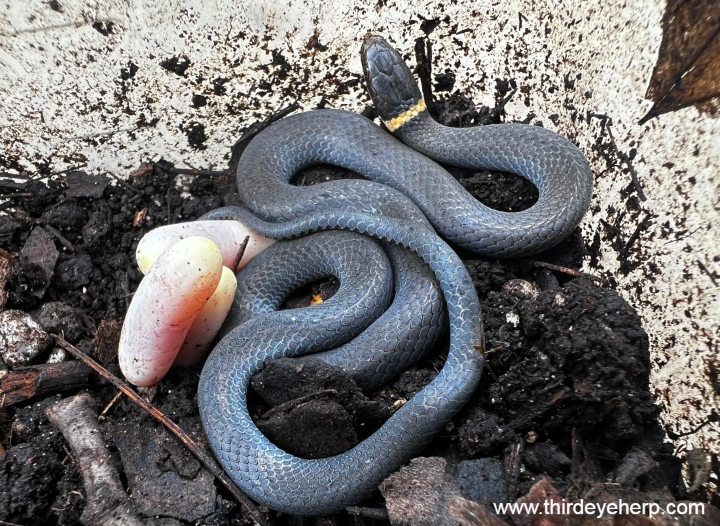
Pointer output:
x,y
21,338
521,289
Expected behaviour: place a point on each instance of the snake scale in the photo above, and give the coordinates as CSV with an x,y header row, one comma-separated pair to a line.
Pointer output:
x,y
404,202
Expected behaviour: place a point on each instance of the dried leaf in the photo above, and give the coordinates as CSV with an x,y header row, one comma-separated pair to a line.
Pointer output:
x,y
687,71
142,170
139,217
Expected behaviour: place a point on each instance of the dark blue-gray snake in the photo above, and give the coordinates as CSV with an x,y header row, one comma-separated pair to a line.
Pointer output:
x,y
405,201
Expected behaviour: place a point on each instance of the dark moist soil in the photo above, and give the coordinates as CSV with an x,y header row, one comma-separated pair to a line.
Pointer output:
x,y
564,393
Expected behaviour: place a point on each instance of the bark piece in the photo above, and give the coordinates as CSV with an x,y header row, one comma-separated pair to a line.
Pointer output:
x,y
23,384
418,494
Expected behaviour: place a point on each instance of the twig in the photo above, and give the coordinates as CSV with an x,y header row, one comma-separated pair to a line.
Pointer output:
x,y
123,183
25,383
42,29
107,503
685,235
167,201
21,194
628,162
500,107
8,175
110,405
297,401
254,129
706,271
196,450
569,271
101,133
512,460
605,120
71,169
63,240
636,234
240,254
423,58
712,418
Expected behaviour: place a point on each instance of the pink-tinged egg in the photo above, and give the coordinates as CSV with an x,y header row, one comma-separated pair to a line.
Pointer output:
x,y
164,307
199,338
227,235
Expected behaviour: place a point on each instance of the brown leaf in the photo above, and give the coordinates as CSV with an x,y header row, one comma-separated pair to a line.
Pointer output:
x,y
139,217
687,71
143,169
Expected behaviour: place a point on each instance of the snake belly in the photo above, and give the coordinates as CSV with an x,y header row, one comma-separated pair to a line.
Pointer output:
x,y
406,200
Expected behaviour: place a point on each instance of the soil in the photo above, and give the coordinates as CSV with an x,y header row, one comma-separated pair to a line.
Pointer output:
x,y
565,391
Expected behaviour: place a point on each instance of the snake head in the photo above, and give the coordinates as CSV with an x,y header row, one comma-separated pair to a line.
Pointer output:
x,y
390,82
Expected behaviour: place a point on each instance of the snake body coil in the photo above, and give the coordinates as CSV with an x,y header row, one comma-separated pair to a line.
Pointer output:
x,y
406,199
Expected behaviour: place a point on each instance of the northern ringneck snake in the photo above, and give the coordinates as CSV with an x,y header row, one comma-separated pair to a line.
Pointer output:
x,y
407,202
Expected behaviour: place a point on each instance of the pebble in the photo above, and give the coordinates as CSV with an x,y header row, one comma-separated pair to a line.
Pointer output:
x,y
21,338
521,289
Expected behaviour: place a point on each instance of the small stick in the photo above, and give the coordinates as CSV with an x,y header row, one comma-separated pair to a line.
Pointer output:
x,y
110,405
54,27
297,401
635,235
240,254
569,271
423,57
21,194
500,107
71,169
626,159
169,210
107,503
683,236
124,184
25,383
512,460
257,127
196,450
8,175
706,271
711,418
250,132
63,240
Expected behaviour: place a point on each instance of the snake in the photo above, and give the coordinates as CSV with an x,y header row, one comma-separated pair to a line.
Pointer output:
x,y
401,216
